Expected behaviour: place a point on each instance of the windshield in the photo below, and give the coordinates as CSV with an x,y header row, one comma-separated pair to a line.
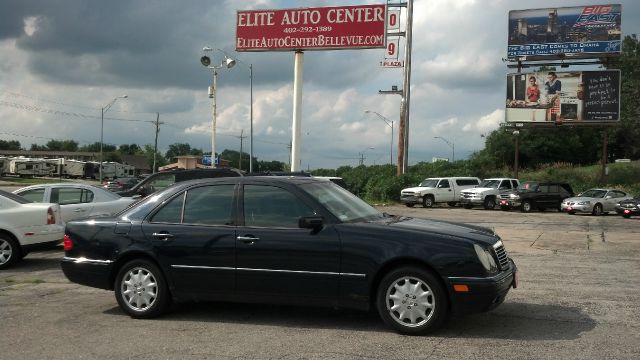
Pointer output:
x,y
17,198
490,184
429,183
528,186
341,203
593,193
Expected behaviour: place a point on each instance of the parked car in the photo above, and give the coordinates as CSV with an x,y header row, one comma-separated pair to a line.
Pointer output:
x,y
26,226
486,194
298,241
161,180
629,207
437,190
594,201
121,184
77,200
536,195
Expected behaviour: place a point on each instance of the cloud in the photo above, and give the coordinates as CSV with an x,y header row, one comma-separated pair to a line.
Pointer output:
x,y
486,123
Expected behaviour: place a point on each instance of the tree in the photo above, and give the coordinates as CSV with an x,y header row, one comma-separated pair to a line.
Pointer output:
x,y
10,145
95,147
129,149
36,147
62,145
148,152
179,149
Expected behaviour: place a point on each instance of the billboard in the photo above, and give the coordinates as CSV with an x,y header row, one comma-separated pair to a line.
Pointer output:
x,y
325,28
579,32
581,96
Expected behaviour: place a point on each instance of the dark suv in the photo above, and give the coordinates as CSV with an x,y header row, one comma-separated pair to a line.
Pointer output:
x,y
163,179
536,195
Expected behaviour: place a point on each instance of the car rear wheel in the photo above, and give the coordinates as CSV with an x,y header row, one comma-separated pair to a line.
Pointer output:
x,y
597,210
141,290
9,252
412,301
427,201
452,203
409,205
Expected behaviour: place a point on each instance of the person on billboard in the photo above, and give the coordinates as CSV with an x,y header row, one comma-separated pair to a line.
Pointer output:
x,y
553,85
533,91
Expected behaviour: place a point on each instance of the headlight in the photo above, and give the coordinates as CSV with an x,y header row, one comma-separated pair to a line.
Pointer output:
x,y
514,196
584,203
485,258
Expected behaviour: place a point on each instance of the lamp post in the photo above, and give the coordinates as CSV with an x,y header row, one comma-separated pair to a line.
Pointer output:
x,y
228,63
390,124
451,144
104,110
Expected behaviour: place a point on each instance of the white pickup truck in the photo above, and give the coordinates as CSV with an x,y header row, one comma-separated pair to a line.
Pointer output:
x,y
437,190
487,192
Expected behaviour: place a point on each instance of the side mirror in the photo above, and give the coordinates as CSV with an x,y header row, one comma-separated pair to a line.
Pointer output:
x,y
311,222
608,197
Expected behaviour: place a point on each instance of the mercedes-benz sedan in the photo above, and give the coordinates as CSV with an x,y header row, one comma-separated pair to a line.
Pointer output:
x,y
300,241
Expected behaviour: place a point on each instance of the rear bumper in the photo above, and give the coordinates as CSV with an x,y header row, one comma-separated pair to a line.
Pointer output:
x,y
484,293
93,273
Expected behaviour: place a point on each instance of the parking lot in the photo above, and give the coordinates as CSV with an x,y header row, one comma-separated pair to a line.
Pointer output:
x,y
577,299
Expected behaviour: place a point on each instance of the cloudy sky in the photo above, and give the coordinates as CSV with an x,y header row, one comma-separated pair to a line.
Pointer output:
x,y
63,60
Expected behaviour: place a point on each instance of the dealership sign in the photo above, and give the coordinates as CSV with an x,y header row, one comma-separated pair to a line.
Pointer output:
x,y
580,96
581,32
325,28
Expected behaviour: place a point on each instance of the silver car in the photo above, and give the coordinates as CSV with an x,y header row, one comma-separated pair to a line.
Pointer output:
x,y
594,201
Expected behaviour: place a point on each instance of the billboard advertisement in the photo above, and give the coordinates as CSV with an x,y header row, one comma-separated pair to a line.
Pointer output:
x,y
581,32
580,96
325,28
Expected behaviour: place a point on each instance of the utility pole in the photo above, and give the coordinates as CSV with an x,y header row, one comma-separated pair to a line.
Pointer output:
x,y
155,146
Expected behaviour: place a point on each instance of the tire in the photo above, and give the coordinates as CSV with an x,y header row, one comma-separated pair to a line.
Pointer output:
x,y
571,212
489,203
626,216
417,285
428,201
597,210
10,252
141,290
468,206
452,203
526,206
409,205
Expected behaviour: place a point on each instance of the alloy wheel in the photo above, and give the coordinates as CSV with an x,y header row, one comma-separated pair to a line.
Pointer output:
x,y
139,289
410,301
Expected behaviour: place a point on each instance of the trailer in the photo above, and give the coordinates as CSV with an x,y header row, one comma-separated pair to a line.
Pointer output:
x,y
4,166
56,167
25,167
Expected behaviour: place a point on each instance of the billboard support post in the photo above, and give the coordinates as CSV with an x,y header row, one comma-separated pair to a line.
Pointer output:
x,y
605,140
406,91
297,110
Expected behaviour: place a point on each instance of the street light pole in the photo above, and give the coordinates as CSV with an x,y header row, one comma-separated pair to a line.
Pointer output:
x,y
104,110
390,124
228,63
451,144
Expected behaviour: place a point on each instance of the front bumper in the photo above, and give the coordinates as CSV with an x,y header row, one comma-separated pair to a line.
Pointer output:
x,y
471,201
509,203
410,199
576,208
484,293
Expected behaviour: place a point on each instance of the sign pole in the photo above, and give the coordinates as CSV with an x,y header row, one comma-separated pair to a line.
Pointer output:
x,y
297,110
406,91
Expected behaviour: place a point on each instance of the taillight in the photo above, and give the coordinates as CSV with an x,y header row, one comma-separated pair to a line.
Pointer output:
x,y
51,218
67,243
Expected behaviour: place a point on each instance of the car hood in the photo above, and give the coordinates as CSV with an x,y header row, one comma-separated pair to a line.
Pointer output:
x,y
580,198
478,189
439,228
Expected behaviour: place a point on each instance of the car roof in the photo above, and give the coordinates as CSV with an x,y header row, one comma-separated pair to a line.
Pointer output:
x,y
253,179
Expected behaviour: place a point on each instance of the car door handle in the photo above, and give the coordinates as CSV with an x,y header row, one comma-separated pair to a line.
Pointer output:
x,y
162,236
79,210
247,239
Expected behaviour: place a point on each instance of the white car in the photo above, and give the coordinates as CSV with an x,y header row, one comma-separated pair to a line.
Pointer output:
x,y
594,201
77,200
26,226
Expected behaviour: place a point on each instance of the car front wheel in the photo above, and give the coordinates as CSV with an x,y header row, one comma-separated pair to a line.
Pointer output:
x,y
141,290
9,252
428,201
412,301
597,210
526,206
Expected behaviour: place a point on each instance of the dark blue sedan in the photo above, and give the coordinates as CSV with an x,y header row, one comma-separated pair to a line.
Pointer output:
x,y
302,241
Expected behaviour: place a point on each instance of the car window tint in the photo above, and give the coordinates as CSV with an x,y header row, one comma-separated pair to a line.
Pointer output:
x,y
272,206
161,182
514,184
209,205
66,196
35,195
444,184
171,212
